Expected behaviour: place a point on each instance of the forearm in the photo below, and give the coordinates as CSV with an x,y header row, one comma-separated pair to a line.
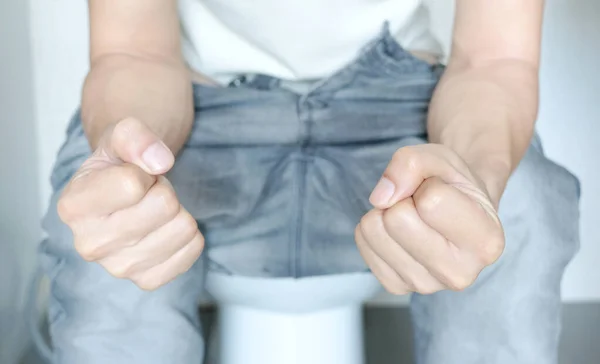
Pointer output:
x,y
157,92
486,113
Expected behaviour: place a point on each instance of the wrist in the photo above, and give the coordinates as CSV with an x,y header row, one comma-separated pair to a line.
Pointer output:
x,y
157,93
493,174
488,150
173,135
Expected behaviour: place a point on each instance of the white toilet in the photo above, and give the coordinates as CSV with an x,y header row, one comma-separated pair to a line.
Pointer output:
x,y
316,320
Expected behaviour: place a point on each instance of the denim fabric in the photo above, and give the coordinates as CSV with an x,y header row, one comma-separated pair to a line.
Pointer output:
x,y
277,175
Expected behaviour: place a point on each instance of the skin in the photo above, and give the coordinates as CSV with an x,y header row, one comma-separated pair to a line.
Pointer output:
x,y
137,112
434,224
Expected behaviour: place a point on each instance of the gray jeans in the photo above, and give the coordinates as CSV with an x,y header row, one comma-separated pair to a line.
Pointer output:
x,y
277,175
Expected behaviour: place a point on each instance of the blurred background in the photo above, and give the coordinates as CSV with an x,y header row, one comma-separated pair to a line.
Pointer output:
x,y
43,60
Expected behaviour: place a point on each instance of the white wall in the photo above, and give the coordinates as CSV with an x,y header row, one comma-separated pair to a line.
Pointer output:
x,y
19,182
59,40
569,117
570,123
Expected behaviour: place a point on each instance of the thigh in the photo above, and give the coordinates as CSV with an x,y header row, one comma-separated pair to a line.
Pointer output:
x,y
96,318
512,313
358,120
240,197
237,175
282,171
339,182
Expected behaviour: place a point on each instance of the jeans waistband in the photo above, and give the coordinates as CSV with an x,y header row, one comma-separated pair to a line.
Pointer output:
x,y
384,52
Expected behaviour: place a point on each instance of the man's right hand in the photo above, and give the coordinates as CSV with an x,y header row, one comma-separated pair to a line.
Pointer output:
x,y
124,213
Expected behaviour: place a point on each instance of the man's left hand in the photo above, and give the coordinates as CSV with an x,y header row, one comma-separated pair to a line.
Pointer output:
x,y
434,226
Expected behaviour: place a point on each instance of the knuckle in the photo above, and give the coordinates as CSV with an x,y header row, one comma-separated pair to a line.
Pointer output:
x,y
429,200
195,253
391,283
93,247
424,289
184,269
131,183
395,217
194,249
460,281
357,230
199,244
427,291
148,282
394,288
168,197
65,207
370,222
122,270
359,237
87,250
416,285
407,157
188,225
491,251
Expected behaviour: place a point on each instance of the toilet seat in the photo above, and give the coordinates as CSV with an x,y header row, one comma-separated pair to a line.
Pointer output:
x,y
315,320
290,295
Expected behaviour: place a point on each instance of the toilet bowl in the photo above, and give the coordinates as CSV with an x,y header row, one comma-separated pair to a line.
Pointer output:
x,y
316,320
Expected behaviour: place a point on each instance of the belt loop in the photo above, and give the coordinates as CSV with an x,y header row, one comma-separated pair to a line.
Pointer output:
x,y
264,82
255,81
238,81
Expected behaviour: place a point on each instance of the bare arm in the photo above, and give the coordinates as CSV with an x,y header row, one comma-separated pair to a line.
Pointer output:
x,y
486,103
137,69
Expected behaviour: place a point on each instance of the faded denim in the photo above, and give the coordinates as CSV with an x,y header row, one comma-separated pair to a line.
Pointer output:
x,y
277,175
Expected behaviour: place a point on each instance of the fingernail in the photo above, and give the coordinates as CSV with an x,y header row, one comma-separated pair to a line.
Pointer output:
x,y
157,157
383,192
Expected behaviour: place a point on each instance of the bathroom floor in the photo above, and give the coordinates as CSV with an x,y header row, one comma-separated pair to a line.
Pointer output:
x,y
388,335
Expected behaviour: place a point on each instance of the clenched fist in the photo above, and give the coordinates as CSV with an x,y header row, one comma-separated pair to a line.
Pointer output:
x,y
433,226
124,213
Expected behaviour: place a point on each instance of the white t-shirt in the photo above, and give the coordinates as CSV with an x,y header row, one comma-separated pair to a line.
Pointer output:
x,y
294,39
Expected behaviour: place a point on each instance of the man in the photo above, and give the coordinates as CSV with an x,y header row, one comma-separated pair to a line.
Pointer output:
x,y
311,125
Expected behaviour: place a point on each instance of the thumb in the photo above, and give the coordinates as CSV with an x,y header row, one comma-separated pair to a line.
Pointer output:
x,y
409,167
132,141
